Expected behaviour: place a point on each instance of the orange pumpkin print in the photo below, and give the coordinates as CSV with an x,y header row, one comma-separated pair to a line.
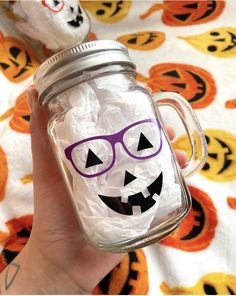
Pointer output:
x,y
187,13
17,59
146,40
20,114
195,84
19,232
92,36
197,230
230,104
130,277
3,173
231,202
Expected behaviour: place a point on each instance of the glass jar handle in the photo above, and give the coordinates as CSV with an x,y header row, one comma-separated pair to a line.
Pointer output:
x,y
195,135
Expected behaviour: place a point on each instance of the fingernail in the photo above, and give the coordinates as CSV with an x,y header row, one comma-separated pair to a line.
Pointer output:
x,y
181,157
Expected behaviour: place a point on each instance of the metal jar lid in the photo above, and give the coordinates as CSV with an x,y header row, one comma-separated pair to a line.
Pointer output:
x,y
73,61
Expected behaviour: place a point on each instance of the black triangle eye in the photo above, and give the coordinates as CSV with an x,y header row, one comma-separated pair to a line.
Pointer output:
x,y
56,2
143,143
15,51
132,40
92,159
4,66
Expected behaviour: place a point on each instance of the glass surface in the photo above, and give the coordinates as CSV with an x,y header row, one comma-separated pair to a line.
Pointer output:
x,y
118,164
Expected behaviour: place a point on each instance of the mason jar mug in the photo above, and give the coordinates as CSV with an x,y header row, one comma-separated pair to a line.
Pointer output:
x,y
108,136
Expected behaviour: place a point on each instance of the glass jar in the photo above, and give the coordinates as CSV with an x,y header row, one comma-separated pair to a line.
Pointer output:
x,y
109,138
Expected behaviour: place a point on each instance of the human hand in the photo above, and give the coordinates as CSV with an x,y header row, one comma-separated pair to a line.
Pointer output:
x,y
56,258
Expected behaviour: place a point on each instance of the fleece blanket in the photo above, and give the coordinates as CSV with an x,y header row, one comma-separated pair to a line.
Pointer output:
x,y
184,46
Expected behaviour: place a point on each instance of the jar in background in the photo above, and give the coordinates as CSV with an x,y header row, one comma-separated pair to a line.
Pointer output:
x,y
57,24
108,135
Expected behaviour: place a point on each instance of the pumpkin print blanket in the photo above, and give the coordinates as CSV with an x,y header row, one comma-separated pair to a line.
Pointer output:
x,y
188,47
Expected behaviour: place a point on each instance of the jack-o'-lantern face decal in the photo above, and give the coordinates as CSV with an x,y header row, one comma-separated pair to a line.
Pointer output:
x,y
130,277
53,5
17,60
108,11
215,283
68,11
19,232
218,42
88,159
146,40
20,114
221,161
197,230
187,13
3,173
73,9
195,84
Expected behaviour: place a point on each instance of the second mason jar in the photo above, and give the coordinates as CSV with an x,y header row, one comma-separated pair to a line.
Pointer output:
x,y
108,136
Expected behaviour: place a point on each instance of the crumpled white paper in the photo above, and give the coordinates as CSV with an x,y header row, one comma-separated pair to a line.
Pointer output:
x,y
57,24
102,108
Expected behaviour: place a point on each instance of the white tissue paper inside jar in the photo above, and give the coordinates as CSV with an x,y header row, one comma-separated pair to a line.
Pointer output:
x,y
57,24
119,188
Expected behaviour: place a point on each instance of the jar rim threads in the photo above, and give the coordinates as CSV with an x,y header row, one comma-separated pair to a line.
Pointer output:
x,y
77,59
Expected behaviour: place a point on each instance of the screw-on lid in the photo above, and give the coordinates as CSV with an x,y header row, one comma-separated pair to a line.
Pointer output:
x,y
76,59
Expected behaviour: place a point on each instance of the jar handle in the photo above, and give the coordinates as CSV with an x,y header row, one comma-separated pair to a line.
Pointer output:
x,y
195,135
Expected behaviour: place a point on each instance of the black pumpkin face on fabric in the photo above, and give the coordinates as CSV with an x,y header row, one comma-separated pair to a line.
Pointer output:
x,y
187,13
14,242
220,165
218,42
215,283
20,114
221,161
197,230
130,277
195,84
108,11
17,59
146,40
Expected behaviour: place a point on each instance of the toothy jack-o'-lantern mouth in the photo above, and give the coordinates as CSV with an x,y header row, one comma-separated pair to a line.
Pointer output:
x,y
78,20
137,201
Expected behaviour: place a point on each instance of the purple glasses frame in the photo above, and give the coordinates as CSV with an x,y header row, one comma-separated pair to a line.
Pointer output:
x,y
113,139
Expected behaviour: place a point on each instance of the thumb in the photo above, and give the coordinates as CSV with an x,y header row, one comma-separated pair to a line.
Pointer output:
x,y
45,167
47,179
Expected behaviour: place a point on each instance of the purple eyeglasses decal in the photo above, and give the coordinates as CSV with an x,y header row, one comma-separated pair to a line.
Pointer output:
x,y
113,139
